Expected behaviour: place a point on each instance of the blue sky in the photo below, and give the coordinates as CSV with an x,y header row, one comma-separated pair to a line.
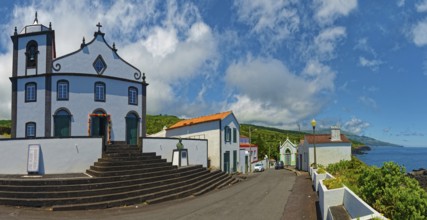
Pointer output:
x,y
358,64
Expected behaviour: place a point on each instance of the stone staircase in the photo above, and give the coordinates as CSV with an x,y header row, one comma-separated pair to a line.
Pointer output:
x,y
123,176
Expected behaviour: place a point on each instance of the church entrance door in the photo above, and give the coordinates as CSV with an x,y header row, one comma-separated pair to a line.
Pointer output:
x,y
287,157
131,129
99,124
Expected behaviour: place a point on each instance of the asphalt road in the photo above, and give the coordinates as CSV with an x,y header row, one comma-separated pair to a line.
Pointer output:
x,y
261,196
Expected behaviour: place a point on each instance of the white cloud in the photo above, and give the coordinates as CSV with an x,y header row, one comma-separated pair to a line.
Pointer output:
x,y
274,21
329,10
372,64
400,3
419,33
356,126
327,39
267,91
421,6
169,42
369,102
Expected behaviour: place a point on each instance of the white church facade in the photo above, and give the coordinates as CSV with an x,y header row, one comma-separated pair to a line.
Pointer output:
x,y
89,92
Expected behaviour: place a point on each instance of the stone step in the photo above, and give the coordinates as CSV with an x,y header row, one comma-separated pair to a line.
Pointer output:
x,y
132,200
127,163
88,180
149,193
105,182
129,172
215,178
123,154
105,162
143,158
103,191
128,158
136,151
106,168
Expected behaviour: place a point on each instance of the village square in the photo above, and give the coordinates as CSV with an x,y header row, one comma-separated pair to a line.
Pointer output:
x,y
79,142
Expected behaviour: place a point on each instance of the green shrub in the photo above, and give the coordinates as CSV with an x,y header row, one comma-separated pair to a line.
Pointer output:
x,y
333,183
391,192
321,170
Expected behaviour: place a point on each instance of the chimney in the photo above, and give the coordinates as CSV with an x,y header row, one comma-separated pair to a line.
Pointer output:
x,y
335,133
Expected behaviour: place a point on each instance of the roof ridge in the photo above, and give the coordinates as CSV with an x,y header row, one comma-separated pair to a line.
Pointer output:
x,y
201,119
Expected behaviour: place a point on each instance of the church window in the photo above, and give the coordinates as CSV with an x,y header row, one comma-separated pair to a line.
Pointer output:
x,y
227,134
100,92
30,130
62,90
133,96
31,92
31,53
99,65
234,135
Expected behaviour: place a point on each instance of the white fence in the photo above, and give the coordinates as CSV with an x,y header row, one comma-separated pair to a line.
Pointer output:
x,y
57,155
197,148
355,206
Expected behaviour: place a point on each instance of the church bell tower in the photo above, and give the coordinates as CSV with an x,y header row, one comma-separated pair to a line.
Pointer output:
x,y
33,53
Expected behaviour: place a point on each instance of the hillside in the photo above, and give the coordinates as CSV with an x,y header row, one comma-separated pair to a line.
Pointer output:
x,y
268,139
155,123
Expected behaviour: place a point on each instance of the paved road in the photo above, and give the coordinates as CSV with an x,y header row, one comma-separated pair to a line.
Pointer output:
x,y
262,196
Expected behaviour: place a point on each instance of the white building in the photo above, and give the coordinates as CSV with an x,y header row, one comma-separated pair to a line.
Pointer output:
x,y
288,152
248,154
330,148
222,132
89,92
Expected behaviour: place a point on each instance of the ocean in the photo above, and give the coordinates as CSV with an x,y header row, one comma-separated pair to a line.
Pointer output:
x,y
410,157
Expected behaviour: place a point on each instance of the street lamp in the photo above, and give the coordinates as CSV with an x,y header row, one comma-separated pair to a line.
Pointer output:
x,y
313,123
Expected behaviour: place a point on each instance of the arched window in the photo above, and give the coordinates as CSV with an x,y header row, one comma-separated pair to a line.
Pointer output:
x,y
62,89
62,123
100,91
32,53
133,96
30,130
227,134
31,92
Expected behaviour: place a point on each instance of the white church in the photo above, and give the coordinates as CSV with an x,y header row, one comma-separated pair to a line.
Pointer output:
x,y
89,92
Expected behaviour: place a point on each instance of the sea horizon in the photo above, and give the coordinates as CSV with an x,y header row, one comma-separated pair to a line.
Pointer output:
x,y
412,158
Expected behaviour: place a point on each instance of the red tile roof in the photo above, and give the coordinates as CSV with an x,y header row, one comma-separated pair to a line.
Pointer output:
x,y
248,145
202,119
325,138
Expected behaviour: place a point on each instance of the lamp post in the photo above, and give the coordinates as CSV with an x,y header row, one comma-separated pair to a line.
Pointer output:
x,y
313,123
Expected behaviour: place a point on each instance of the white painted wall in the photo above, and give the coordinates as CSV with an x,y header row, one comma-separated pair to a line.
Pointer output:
x,y
214,132
197,149
326,153
209,131
65,155
232,146
81,103
82,61
30,111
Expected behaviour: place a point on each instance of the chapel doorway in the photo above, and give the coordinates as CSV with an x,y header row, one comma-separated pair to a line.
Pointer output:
x,y
287,157
131,129
99,124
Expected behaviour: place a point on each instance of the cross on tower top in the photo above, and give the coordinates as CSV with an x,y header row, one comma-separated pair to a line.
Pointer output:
x,y
36,21
99,26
